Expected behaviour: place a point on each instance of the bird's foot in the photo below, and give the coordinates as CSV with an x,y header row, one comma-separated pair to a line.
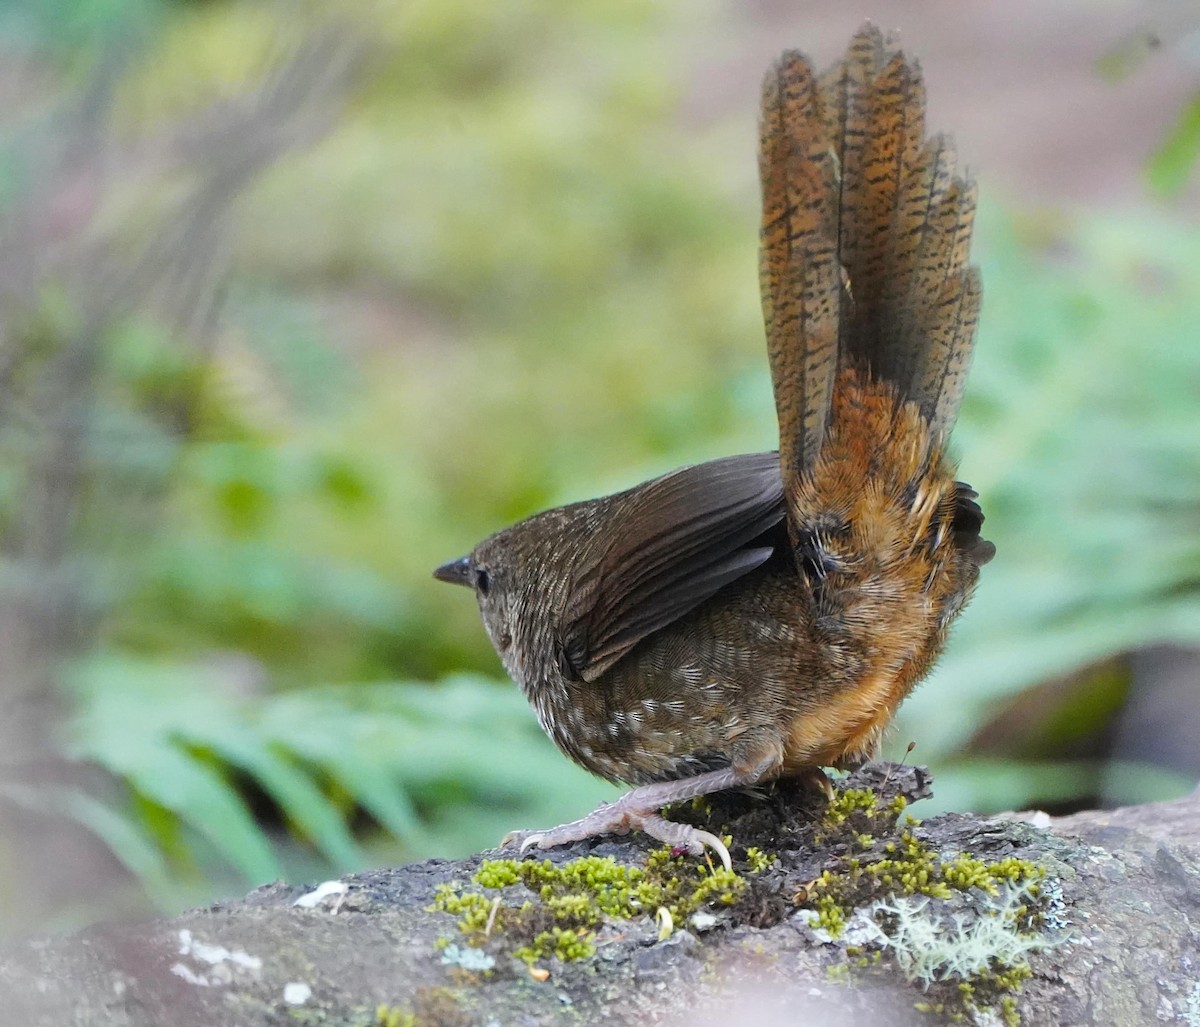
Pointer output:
x,y
620,817
639,810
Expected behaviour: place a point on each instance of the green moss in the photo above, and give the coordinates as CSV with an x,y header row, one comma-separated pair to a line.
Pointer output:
x,y
831,912
390,1016
969,872
994,991
838,973
851,804
567,945
882,862
758,860
497,873
473,908
520,896
1007,1008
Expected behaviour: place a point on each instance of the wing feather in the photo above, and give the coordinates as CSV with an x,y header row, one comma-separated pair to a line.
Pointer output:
x,y
672,543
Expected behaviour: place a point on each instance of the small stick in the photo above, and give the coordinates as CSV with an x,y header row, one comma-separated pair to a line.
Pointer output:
x,y
487,931
888,776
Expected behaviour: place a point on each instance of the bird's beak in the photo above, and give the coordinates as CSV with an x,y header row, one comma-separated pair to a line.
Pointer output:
x,y
457,572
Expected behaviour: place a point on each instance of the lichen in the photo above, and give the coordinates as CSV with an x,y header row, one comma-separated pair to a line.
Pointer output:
x,y
471,959
930,944
1191,1013
957,925
540,909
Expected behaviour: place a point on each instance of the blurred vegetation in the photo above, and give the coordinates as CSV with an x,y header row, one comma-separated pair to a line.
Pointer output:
x,y
492,272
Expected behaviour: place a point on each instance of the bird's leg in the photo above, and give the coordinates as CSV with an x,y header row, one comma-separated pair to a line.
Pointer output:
x,y
639,810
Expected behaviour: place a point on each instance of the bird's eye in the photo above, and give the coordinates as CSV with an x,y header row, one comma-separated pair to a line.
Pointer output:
x,y
483,581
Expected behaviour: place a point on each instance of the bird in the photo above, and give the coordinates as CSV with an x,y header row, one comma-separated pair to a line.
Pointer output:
x,y
762,616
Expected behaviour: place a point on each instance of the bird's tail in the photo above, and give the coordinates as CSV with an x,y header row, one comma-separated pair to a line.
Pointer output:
x,y
865,235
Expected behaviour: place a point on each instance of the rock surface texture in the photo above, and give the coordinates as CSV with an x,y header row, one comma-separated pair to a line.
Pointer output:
x,y
1106,930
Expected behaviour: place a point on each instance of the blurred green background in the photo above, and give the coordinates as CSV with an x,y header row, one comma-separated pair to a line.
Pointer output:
x,y
296,306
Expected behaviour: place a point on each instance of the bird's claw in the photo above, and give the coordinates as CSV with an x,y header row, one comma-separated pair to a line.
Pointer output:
x,y
532,842
684,836
714,843
522,840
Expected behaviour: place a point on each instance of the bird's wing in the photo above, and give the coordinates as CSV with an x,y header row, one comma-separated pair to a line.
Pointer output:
x,y
672,544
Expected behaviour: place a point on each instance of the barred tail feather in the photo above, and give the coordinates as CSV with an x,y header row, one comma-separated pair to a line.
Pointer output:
x,y
865,240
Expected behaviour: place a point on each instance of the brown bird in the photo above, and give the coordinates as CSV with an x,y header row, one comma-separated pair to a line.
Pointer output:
x,y
764,615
